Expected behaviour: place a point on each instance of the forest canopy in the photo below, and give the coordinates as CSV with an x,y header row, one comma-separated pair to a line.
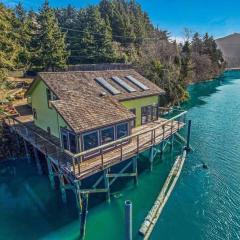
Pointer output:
x,y
114,31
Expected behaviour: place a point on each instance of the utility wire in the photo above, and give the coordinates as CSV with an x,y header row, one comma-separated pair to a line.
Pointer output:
x,y
116,36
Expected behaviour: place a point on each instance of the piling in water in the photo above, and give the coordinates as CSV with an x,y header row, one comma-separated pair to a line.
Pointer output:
x,y
128,220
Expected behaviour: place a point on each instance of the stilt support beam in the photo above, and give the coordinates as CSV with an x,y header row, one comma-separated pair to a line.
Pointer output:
x,y
82,204
106,184
50,172
62,187
27,151
151,157
39,167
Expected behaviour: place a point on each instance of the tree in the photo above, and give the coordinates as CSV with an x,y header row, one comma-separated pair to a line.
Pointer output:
x,y
9,46
52,54
92,41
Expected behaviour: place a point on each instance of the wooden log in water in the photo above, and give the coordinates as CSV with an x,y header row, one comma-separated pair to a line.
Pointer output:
x,y
153,215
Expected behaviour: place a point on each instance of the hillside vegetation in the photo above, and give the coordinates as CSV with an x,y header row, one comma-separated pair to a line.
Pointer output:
x,y
112,31
230,46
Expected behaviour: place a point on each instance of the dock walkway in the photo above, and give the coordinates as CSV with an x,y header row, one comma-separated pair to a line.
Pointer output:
x,y
80,166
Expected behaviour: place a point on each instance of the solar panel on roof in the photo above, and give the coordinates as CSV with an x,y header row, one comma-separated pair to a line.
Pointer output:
x,y
123,84
107,86
136,82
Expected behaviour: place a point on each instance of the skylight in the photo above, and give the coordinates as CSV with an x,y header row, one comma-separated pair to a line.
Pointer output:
x,y
137,83
123,84
107,86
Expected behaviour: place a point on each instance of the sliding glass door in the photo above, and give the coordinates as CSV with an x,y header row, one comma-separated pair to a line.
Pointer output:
x,y
149,114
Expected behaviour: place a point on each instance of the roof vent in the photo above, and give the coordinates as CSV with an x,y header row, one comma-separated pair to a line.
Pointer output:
x,y
103,94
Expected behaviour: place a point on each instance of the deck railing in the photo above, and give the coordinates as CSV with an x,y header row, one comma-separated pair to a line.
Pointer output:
x,y
126,147
107,154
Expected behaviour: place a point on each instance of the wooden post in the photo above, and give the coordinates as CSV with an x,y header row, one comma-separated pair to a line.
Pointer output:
x,y
77,194
106,184
50,172
39,167
128,220
27,151
82,206
135,169
151,158
62,187
83,214
161,151
172,142
101,153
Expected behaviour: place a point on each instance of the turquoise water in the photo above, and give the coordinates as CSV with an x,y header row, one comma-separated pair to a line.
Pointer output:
x,y
204,205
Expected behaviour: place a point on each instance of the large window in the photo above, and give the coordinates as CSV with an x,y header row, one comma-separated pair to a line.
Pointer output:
x,y
107,135
69,140
65,139
147,114
122,130
50,97
72,142
90,140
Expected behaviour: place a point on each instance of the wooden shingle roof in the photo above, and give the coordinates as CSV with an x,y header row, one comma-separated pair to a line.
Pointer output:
x,y
85,105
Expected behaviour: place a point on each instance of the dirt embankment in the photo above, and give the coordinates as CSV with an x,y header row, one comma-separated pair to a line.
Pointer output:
x,y
11,94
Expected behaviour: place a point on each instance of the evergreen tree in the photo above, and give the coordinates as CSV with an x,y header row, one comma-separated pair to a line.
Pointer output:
x,y
52,53
9,47
93,39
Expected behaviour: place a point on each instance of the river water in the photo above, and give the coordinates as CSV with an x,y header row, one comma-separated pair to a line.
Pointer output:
x,y
204,205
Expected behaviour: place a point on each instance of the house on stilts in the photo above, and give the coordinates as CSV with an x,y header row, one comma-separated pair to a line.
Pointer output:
x,y
87,122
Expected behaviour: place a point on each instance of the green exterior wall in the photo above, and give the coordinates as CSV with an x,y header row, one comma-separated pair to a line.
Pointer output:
x,y
138,104
46,117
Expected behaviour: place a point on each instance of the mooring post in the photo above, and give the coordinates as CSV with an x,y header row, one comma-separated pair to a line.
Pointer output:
x,y
128,220
135,169
50,172
27,151
187,148
39,167
83,214
106,184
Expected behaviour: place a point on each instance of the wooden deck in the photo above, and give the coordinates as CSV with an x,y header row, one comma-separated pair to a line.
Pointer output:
x,y
142,138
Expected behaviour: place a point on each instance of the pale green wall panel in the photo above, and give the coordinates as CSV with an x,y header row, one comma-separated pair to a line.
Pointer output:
x,y
138,103
46,117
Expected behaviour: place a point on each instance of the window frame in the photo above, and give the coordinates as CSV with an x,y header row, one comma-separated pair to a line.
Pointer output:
x,y
147,121
128,130
133,122
82,139
67,132
105,128
34,111
50,97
